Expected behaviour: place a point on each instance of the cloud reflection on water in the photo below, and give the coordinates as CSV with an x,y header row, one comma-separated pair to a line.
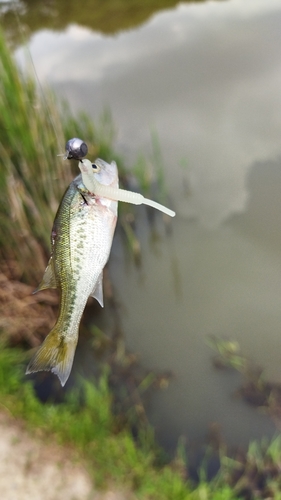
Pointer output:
x,y
208,79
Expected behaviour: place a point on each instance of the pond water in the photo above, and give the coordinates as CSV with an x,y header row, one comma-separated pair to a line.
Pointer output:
x,y
207,77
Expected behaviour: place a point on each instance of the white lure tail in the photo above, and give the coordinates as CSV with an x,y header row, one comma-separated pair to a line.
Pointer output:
x,y
94,186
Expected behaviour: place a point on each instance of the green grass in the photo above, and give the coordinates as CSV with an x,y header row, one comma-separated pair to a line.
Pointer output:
x,y
91,428
112,454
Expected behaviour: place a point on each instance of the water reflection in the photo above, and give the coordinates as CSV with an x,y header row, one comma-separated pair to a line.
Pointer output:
x,y
106,17
262,219
207,77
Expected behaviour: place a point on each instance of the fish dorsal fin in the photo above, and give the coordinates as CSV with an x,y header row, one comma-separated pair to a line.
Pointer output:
x,y
49,279
97,292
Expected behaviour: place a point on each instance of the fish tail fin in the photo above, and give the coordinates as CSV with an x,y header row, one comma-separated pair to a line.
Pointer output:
x,y
55,354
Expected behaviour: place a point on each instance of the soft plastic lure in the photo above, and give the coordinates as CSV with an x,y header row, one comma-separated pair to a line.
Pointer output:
x,y
77,149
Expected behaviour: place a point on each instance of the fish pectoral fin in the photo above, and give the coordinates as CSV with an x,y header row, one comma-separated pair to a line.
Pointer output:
x,y
55,355
49,278
97,292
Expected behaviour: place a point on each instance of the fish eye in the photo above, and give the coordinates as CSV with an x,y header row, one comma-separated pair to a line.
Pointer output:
x,y
95,167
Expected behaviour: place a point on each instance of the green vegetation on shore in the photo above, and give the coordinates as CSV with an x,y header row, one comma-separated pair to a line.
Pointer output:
x,y
91,428
86,421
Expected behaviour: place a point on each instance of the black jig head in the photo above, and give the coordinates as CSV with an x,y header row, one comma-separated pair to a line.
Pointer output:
x,y
75,149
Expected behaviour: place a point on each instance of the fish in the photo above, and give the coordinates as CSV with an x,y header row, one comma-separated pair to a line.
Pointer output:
x,y
81,241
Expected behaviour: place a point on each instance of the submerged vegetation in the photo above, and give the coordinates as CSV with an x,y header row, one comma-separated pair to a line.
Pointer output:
x,y
255,389
95,420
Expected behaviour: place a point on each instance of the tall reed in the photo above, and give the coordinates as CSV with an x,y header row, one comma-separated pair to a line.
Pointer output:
x,y
33,130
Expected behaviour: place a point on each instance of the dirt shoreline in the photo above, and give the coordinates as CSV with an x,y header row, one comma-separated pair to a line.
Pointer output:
x,y
32,468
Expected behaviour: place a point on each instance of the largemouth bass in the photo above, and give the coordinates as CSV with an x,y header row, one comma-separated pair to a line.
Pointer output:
x,y
81,241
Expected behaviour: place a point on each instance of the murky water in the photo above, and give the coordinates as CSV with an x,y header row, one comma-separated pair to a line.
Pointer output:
x,y
207,77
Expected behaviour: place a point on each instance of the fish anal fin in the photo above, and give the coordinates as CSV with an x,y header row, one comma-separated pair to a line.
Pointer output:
x,y
97,292
49,278
56,354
